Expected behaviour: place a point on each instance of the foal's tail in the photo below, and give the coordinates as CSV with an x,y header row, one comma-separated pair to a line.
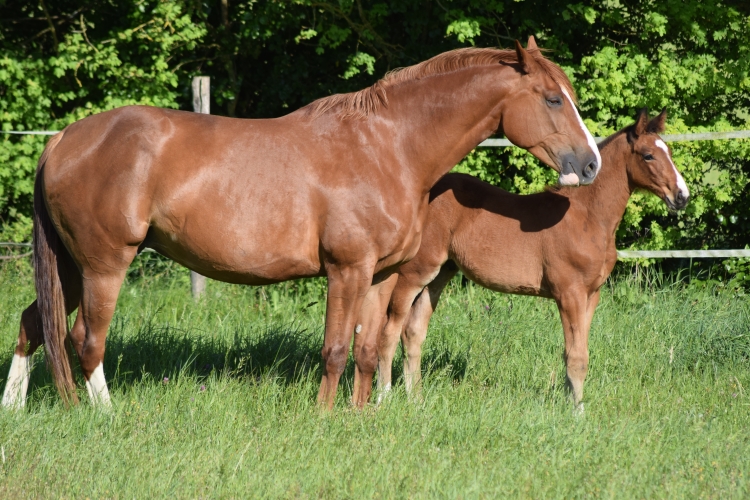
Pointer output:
x,y
49,263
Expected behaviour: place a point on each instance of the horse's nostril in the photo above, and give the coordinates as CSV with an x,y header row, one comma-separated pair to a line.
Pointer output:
x,y
680,197
589,170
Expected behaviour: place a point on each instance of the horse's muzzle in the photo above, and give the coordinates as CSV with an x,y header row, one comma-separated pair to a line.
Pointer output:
x,y
578,169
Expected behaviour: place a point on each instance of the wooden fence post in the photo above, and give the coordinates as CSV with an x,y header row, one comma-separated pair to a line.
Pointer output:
x,y
201,104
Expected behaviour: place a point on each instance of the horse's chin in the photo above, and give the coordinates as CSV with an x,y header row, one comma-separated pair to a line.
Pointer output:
x,y
570,179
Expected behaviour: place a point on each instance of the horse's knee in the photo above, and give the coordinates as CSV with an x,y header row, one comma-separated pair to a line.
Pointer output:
x,y
30,335
577,364
334,358
367,359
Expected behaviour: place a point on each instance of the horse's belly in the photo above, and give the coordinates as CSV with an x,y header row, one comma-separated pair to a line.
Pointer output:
x,y
253,261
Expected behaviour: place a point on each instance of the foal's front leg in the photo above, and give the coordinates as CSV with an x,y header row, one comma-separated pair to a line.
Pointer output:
x,y
347,287
576,312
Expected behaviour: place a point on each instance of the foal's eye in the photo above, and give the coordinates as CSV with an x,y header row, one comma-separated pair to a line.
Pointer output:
x,y
554,102
648,157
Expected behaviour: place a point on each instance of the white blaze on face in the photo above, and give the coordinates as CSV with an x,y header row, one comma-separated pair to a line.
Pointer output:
x,y
680,181
96,386
589,138
18,382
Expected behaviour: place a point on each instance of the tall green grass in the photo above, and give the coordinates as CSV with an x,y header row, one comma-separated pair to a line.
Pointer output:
x,y
217,399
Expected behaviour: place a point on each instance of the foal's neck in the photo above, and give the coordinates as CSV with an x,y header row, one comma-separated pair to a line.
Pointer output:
x,y
607,197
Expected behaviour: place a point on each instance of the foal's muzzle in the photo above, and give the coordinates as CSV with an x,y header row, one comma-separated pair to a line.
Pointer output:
x,y
578,169
679,200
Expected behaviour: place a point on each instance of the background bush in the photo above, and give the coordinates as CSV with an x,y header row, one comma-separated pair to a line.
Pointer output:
x,y
65,60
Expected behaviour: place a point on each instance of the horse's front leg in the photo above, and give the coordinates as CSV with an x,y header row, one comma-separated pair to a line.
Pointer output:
x,y
576,312
347,287
367,332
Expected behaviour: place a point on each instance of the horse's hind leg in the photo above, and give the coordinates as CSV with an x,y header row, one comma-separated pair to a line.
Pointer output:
x,y
29,339
89,333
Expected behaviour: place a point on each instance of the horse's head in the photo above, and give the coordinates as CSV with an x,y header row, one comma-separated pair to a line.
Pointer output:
x,y
541,117
651,166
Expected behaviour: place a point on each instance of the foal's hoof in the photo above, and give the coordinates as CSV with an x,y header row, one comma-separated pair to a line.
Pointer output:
x,y
383,394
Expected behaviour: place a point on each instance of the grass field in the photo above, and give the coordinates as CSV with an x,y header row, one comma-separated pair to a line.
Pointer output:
x,y
218,400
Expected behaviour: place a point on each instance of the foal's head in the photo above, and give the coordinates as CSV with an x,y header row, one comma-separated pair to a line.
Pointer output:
x,y
651,166
540,115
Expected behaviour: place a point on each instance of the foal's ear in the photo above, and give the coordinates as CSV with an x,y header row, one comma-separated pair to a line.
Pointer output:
x,y
531,44
529,65
656,125
639,128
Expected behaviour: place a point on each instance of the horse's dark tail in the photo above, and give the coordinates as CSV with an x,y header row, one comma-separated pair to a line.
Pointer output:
x,y
49,259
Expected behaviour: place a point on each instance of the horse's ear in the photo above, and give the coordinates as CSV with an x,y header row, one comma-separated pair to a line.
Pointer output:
x,y
639,128
531,44
657,123
529,65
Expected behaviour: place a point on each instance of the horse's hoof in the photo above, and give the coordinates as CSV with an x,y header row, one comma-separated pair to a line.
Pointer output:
x,y
578,410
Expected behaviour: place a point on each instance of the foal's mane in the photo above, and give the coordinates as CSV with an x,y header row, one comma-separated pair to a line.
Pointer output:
x,y
367,101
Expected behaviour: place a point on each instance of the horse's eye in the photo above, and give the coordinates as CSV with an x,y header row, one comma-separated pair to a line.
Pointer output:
x,y
648,157
554,102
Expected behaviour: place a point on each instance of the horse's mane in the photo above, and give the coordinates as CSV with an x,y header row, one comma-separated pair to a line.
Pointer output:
x,y
364,102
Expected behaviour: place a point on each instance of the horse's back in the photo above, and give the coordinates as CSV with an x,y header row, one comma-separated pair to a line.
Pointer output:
x,y
207,191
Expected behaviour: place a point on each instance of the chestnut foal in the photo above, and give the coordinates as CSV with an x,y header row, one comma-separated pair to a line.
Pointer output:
x,y
558,244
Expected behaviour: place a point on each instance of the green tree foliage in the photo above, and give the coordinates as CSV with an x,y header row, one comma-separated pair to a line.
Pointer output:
x,y
62,61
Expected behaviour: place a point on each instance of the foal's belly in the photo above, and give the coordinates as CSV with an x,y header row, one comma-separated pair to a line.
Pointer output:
x,y
505,272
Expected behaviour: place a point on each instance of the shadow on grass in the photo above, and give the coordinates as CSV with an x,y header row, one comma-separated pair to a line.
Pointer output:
x,y
290,353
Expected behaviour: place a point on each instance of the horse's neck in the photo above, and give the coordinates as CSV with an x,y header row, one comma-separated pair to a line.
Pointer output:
x,y
607,198
442,118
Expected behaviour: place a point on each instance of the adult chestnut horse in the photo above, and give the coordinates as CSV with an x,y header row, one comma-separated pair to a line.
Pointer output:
x,y
558,244
338,188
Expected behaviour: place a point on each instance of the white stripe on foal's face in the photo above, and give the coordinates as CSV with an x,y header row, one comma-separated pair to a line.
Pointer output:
x,y
680,181
18,382
589,138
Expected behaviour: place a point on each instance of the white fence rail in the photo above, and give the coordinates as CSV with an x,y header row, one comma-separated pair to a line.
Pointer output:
x,y
698,136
